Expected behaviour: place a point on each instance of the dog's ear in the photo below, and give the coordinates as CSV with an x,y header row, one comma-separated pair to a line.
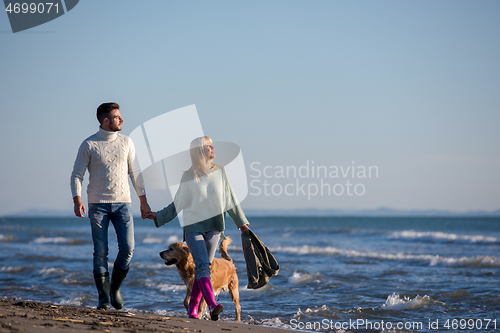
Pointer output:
x,y
186,251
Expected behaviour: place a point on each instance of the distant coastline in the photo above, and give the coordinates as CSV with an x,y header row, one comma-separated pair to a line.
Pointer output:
x,y
377,212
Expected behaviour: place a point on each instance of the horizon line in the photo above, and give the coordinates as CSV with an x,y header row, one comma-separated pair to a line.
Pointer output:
x,y
313,212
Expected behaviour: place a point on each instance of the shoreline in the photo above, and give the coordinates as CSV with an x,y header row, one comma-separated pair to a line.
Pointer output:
x,y
31,316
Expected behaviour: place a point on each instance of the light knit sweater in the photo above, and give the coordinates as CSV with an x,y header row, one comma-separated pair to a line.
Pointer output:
x,y
204,203
109,157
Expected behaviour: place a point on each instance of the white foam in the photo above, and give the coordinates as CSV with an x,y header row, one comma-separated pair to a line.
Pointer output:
x,y
173,239
51,270
244,290
72,301
298,277
152,240
43,240
396,302
12,269
235,248
168,313
313,312
478,261
442,236
297,315
323,308
165,286
69,281
274,322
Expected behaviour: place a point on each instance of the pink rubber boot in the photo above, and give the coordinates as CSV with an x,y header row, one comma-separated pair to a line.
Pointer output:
x,y
208,294
194,300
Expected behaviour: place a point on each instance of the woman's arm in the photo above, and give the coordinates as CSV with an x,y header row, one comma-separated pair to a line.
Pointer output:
x,y
163,216
168,213
238,217
232,205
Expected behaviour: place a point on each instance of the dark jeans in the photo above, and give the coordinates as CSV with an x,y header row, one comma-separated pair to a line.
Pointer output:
x,y
120,214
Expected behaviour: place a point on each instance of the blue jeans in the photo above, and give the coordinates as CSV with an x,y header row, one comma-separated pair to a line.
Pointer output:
x,y
202,246
120,214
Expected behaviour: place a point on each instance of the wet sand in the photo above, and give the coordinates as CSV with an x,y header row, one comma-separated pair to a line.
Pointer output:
x,y
25,316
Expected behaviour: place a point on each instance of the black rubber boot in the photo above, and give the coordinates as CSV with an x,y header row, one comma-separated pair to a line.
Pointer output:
x,y
116,281
102,284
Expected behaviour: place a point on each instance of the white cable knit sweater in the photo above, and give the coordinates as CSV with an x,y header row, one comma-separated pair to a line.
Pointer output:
x,y
109,157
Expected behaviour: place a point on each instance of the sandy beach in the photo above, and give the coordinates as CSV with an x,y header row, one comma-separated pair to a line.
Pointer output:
x,y
26,316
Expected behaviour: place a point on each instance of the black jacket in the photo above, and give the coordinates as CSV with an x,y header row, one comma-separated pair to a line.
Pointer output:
x,y
261,264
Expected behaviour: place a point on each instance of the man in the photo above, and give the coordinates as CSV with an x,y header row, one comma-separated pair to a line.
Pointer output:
x,y
109,157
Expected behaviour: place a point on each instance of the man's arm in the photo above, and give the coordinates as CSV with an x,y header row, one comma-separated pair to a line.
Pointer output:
x,y
81,164
135,174
145,209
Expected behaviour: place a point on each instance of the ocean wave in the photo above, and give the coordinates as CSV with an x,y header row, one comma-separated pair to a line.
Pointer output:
x,y
29,258
173,239
51,270
298,277
442,236
152,240
235,248
243,290
166,286
274,322
59,240
70,281
55,240
322,311
169,313
7,238
269,322
457,294
478,261
398,302
432,260
12,269
155,240
76,301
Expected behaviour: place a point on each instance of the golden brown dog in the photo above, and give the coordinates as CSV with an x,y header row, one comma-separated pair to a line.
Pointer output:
x,y
223,273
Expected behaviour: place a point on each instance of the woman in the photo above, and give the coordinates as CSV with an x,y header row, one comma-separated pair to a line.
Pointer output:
x,y
204,196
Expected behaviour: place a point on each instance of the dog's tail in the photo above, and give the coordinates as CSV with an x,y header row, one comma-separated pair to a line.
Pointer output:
x,y
223,249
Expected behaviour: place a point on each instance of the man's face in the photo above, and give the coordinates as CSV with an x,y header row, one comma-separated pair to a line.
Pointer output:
x,y
115,121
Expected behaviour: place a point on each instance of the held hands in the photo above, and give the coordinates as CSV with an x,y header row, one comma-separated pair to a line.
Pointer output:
x,y
146,212
150,215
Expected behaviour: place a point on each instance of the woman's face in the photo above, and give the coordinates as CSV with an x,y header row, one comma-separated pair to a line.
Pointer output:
x,y
210,149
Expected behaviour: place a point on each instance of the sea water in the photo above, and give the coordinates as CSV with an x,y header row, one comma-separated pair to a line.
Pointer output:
x,y
337,274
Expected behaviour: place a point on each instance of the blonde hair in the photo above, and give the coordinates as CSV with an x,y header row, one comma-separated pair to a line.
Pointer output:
x,y
198,154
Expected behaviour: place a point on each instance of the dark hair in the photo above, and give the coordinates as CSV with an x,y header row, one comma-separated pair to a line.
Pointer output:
x,y
104,110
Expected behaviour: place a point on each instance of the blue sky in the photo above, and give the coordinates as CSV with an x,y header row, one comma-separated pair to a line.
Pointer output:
x,y
410,87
